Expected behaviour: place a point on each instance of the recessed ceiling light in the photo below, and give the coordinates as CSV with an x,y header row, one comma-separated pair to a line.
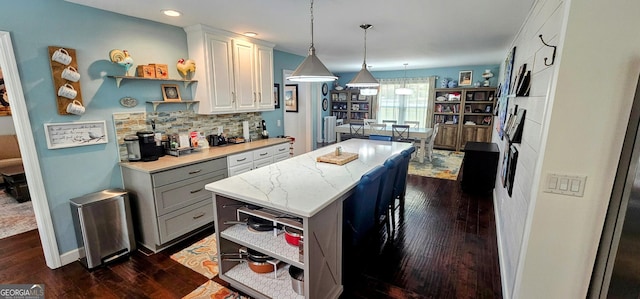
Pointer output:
x,y
171,12
250,34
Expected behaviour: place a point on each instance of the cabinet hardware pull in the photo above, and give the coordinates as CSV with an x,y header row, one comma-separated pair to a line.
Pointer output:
x,y
255,99
199,216
264,154
282,149
240,160
194,172
195,191
233,97
260,96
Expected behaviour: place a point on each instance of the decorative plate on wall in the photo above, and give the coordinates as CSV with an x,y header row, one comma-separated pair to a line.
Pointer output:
x,y
325,104
128,102
325,89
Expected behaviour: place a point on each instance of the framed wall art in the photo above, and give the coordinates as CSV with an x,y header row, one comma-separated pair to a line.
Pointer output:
x,y
291,98
276,95
61,135
466,77
171,93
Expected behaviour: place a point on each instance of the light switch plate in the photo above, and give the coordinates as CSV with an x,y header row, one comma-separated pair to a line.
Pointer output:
x,y
565,184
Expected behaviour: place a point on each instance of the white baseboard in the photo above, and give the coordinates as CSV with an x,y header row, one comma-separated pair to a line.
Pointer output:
x,y
69,257
501,258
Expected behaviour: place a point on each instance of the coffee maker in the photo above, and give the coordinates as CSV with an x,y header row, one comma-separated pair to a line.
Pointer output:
x,y
148,149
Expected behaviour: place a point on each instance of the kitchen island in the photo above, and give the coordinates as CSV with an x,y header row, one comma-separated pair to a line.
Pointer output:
x,y
300,193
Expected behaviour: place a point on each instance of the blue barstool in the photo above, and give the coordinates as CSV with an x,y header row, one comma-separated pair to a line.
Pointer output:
x,y
359,208
400,186
385,196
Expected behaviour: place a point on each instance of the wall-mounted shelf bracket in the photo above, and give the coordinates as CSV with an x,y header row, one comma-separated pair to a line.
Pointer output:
x,y
553,56
156,103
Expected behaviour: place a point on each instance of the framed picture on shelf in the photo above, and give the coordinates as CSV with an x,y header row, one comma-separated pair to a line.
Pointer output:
x,y
276,95
466,77
291,98
479,96
171,93
467,108
487,109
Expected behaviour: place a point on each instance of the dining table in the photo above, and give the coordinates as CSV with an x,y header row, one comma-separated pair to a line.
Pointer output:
x,y
421,134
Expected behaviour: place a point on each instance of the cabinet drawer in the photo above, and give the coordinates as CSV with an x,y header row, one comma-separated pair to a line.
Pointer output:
x,y
262,162
280,157
238,169
242,158
181,194
189,171
262,153
281,149
182,221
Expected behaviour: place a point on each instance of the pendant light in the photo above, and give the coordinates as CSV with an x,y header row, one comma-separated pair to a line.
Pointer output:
x,y
312,69
364,77
404,90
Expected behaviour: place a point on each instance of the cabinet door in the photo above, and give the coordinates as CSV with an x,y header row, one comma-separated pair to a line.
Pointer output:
x,y
447,137
220,81
264,77
243,66
475,134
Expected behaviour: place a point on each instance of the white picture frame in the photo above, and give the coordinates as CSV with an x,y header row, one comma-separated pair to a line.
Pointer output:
x,y
63,135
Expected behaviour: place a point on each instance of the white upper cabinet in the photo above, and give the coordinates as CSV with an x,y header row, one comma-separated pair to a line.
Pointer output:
x,y
234,72
264,77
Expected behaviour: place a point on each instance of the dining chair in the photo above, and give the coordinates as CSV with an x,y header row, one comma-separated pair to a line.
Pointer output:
x,y
379,137
384,214
359,209
413,124
378,129
400,133
356,130
389,121
369,121
432,139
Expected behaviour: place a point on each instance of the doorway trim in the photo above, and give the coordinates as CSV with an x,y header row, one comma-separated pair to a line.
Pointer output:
x,y
28,151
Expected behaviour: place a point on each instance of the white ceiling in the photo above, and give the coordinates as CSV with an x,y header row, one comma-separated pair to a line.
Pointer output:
x,y
422,33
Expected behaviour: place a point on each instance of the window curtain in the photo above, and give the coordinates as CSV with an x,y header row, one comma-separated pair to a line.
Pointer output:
x,y
413,107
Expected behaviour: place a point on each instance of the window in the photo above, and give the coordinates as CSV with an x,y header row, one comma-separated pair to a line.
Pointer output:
x,y
413,107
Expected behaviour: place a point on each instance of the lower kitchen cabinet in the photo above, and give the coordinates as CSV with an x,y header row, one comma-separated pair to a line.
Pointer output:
x,y
169,205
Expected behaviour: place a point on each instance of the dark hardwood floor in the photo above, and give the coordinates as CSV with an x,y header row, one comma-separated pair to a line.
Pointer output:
x,y
444,246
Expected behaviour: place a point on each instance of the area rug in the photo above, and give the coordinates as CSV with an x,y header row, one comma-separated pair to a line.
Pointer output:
x,y
213,290
15,217
200,257
444,165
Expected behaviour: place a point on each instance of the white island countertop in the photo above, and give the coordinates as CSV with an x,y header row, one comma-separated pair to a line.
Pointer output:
x,y
300,185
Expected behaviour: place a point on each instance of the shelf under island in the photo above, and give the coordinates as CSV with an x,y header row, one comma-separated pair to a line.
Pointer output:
x,y
300,193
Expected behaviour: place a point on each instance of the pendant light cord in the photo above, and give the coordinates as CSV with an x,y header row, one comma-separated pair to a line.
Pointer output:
x,y
311,23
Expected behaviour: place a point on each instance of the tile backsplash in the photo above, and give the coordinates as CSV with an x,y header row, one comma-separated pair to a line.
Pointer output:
x,y
177,122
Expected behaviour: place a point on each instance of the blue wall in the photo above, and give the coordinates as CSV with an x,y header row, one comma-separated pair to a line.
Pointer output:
x,y
36,24
444,72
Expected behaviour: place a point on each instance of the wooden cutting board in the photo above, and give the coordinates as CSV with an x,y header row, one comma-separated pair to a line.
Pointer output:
x,y
344,158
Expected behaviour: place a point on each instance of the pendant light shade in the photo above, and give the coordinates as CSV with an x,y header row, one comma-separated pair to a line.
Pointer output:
x,y
404,90
364,77
312,69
